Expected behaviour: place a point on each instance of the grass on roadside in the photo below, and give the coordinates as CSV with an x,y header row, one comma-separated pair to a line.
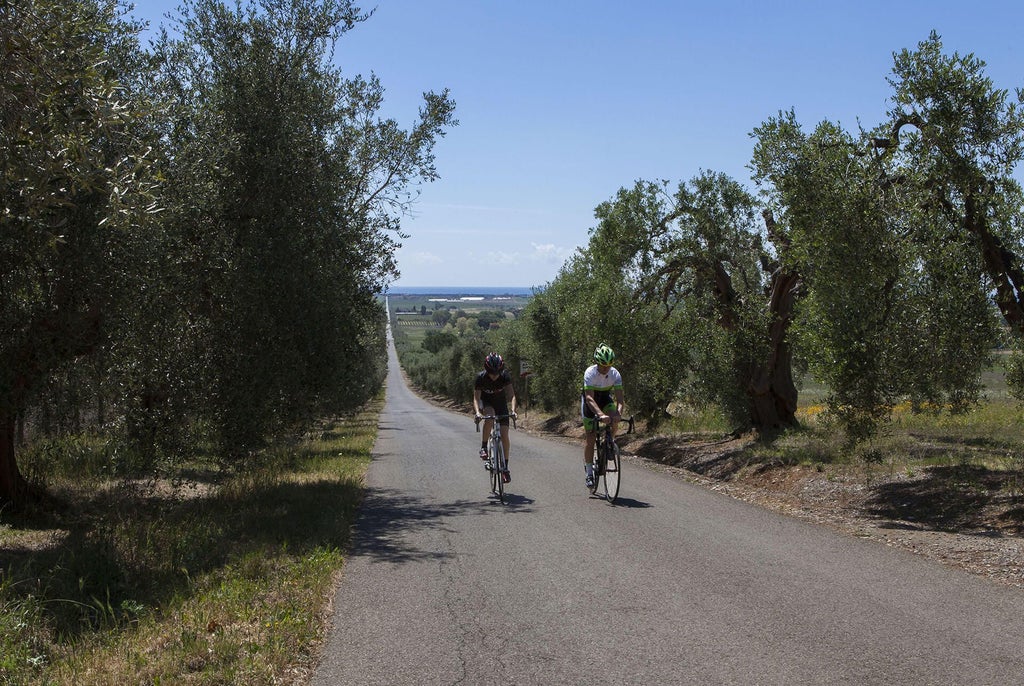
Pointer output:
x,y
988,434
951,472
187,582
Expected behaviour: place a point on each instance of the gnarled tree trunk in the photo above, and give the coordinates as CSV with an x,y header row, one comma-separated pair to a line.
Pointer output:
x,y
49,341
13,487
772,391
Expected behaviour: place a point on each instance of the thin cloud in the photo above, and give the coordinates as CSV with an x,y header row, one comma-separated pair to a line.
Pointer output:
x,y
425,258
486,208
549,252
546,253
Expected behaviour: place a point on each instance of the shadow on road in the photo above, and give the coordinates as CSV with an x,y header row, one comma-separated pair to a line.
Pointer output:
x,y
630,502
389,516
513,501
623,502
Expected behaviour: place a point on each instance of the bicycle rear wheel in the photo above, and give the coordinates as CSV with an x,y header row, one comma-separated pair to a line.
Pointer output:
x,y
612,471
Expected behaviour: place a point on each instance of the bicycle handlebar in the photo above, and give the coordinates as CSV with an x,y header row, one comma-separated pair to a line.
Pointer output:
x,y
607,421
481,417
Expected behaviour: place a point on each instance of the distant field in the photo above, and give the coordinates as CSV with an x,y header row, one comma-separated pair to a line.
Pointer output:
x,y
406,302
993,382
413,313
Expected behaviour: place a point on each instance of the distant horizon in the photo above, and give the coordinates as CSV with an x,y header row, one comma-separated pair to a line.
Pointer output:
x,y
450,290
430,285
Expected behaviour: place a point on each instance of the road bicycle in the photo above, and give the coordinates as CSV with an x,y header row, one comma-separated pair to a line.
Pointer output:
x,y
608,460
497,463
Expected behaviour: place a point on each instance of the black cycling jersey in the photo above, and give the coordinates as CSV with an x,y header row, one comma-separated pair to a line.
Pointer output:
x,y
492,391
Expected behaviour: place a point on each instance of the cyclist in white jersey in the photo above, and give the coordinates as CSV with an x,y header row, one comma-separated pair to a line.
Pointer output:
x,y
602,399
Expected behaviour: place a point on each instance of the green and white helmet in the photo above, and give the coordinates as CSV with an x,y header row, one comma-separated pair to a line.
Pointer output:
x,y
604,354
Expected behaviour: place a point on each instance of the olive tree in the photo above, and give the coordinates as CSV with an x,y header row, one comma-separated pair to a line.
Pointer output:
x,y
894,239
76,189
954,140
593,300
286,191
701,255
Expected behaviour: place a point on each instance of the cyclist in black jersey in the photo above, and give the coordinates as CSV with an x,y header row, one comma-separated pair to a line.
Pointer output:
x,y
494,394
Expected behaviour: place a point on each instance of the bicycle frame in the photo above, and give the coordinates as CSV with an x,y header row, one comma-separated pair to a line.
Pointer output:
x,y
496,459
607,460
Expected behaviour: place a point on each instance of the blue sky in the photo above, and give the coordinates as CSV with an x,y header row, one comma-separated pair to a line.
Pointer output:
x,y
561,103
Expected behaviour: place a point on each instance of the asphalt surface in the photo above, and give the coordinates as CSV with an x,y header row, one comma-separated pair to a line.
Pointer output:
x,y
672,584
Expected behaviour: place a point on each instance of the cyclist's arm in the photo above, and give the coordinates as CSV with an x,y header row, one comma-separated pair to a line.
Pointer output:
x,y
510,396
620,403
476,402
588,395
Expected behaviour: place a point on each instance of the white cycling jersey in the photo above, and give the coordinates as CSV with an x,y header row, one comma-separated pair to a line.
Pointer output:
x,y
603,385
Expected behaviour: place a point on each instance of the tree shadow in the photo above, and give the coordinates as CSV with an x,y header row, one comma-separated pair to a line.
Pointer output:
x,y
960,498
388,516
137,548
986,442
718,459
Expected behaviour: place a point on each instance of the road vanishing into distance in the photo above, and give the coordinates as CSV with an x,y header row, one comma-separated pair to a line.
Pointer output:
x,y
672,584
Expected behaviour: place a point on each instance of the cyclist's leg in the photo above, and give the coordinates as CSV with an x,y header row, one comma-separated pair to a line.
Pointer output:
x,y
590,426
505,442
590,438
501,408
612,411
590,435
486,430
505,448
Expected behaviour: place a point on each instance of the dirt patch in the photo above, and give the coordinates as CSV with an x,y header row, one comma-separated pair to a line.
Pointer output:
x,y
962,517
925,514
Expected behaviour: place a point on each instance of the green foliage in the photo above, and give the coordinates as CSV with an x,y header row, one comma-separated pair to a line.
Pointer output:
x,y
954,142
485,318
708,265
674,283
436,341
1015,375
844,245
75,186
450,371
593,299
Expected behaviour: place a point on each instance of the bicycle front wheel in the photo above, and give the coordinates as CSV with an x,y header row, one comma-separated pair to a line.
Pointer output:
x,y
596,464
491,469
612,471
499,469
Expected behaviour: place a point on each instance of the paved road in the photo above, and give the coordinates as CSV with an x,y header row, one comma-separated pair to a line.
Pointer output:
x,y
673,584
